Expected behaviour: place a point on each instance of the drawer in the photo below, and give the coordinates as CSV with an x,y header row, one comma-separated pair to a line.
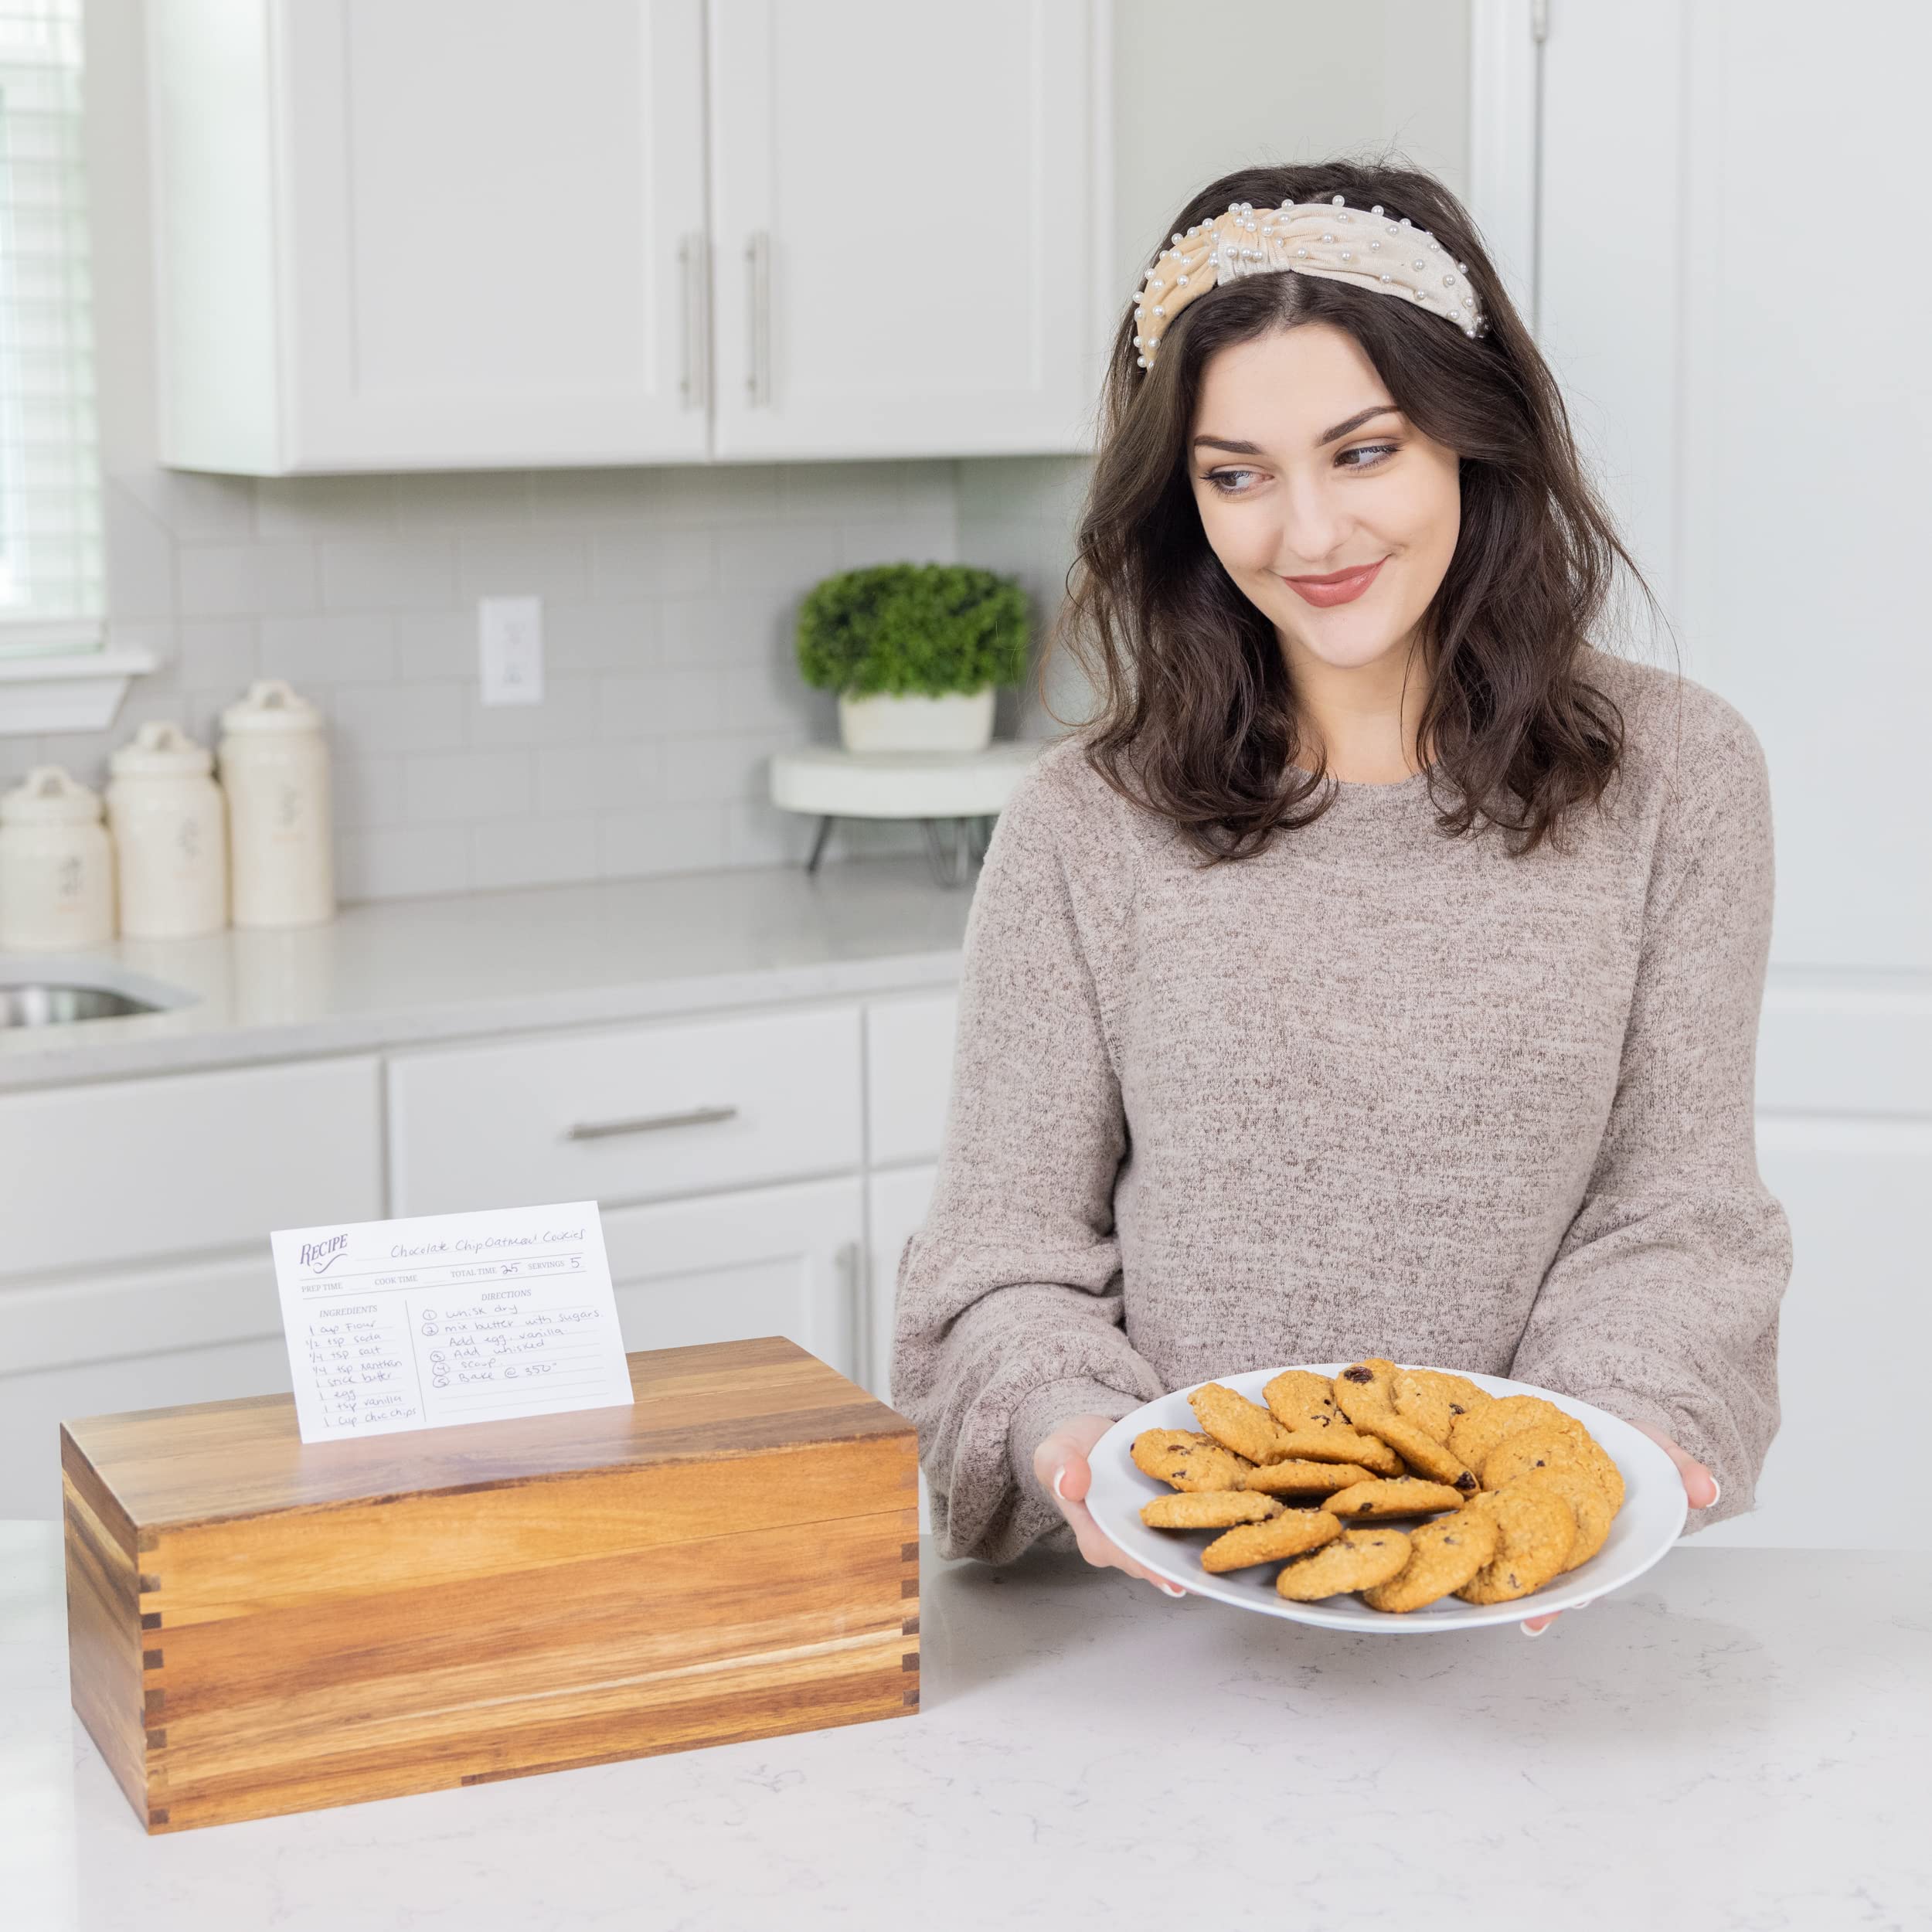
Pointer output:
x,y
909,1073
686,1108
132,1169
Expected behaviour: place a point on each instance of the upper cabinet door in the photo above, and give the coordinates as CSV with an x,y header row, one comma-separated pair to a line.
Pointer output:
x,y
395,234
907,226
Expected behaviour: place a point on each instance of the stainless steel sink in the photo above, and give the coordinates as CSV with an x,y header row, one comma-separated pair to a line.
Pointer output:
x,y
63,990
43,1003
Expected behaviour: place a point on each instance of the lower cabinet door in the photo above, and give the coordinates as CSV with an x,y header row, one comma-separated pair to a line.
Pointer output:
x,y
726,1267
136,1338
898,1205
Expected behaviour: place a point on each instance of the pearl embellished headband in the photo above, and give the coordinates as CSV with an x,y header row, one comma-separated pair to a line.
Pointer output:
x,y
1390,257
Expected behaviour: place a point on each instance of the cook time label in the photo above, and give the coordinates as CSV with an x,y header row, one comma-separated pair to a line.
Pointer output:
x,y
447,1318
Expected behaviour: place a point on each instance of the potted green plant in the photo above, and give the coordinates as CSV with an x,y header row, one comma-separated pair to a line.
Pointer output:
x,y
916,652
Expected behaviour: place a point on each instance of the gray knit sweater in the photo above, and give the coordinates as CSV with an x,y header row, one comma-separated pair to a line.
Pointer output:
x,y
1377,1090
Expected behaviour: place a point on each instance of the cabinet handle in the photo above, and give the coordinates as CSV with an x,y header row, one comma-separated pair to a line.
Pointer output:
x,y
694,260
649,1123
851,1265
758,284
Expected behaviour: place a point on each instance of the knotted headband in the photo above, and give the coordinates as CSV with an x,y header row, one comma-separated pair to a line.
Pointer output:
x,y
1311,238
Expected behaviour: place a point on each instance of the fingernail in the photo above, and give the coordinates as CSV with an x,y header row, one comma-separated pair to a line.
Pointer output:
x,y
1532,1630
1716,1493
1173,1590
1057,1490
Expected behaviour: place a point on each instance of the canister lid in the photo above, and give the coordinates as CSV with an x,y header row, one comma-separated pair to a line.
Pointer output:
x,y
47,796
271,706
160,750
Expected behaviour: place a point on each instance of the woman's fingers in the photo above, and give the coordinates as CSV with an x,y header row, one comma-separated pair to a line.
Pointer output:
x,y
1700,1486
1062,1468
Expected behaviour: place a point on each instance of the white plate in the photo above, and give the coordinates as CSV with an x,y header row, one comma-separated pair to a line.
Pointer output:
x,y
1649,1523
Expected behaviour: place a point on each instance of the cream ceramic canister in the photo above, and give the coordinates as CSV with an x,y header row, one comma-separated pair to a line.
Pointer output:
x,y
274,769
56,865
170,830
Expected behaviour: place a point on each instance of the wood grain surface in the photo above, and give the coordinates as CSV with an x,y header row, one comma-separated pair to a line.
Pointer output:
x,y
258,1625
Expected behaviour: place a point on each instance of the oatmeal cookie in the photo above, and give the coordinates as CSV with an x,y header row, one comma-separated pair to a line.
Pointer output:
x,y
1423,1403
1472,1437
1300,1401
1425,1457
1394,1496
1298,1478
1287,1534
1357,1560
1187,1460
1238,1424
1587,1504
1552,1448
1536,1532
1208,1509
1442,1556
1366,1388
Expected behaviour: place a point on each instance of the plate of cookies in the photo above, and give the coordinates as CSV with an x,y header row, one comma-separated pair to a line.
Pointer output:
x,y
1373,1496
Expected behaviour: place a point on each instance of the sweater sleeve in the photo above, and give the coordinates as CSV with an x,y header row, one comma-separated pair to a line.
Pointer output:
x,y
1010,1304
1661,1305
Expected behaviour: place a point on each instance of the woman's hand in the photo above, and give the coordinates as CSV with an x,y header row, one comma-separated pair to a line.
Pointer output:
x,y
1700,1489
1060,1465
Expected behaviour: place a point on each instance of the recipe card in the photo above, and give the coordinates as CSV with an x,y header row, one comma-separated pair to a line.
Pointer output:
x,y
445,1319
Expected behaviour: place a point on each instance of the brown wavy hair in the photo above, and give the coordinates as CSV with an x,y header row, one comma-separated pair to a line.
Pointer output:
x,y
1197,714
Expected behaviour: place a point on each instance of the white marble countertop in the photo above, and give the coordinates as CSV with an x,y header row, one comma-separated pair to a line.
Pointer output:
x,y
402,971
1736,1743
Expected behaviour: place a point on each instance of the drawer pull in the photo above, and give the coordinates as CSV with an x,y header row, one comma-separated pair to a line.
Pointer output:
x,y
649,1123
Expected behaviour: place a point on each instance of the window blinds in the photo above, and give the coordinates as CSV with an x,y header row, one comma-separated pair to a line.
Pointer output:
x,y
50,549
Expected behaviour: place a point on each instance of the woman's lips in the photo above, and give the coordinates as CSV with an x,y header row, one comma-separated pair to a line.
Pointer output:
x,y
1344,589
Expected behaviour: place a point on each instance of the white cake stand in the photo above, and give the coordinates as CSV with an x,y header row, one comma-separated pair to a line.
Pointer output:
x,y
956,795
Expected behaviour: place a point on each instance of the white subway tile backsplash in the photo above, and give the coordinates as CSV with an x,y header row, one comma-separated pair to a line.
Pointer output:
x,y
534,851
601,636
668,838
637,560
399,861
327,649
399,717
671,603
216,655
466,787
244,580
568,715
396,574
653,704
552,564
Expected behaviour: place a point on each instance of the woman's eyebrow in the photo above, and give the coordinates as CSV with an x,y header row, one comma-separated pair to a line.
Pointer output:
x,y
1334,435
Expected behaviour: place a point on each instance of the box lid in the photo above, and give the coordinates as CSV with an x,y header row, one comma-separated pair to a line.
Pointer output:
x,y
211,1461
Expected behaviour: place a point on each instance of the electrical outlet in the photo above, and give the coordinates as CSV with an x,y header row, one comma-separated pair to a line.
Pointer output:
x,y
510,631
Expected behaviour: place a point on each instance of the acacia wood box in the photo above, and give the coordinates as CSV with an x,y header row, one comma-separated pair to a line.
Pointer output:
x,y
258,1625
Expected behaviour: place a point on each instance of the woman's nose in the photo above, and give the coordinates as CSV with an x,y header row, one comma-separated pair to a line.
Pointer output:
x,y
1314,533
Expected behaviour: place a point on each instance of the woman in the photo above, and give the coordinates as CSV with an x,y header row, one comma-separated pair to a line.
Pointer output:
x,y
1378,971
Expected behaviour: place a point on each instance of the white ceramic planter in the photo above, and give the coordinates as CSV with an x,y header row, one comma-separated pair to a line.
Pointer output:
x,y
960,721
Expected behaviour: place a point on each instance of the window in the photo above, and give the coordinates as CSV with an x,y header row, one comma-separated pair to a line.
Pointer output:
x,y
50,549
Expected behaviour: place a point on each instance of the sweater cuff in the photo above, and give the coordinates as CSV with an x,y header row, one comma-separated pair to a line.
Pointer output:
x,y
1041,1413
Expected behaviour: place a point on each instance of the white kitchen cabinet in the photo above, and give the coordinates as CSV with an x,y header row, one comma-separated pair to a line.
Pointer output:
x,y
133,1171
399,234
909,226
137,1339
897,1206
682,1107
780,1260
410,234
909,1071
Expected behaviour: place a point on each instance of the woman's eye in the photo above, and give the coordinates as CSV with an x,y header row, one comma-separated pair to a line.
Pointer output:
x,y
1378,450
1219,479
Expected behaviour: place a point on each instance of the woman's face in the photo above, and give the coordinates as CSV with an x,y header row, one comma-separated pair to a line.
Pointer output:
x,y
1311,471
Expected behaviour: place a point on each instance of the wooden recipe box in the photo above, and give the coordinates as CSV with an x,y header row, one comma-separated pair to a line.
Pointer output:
x,y
257,1625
